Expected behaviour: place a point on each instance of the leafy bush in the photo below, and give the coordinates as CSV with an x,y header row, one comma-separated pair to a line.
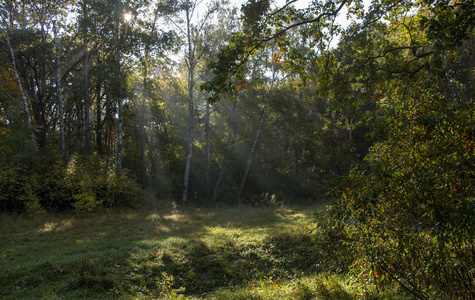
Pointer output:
x,y
123,192
97,184
14,189
44,183
412,208
30,187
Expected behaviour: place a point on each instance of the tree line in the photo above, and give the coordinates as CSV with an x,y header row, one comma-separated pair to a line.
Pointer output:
x,y
101,97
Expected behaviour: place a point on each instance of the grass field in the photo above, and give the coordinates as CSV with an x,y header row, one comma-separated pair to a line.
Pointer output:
x,y
165,251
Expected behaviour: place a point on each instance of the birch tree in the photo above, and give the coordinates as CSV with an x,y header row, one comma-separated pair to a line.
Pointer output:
x,y
191,63
193,29
120,37
59,91
24,102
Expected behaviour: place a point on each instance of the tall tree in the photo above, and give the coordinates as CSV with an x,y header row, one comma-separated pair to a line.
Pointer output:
x,y
119,93
25,102
189,10
258,131
191,33
87,119
155,43
60,92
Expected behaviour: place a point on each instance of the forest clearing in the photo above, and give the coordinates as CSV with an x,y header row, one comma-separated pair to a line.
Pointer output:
x,y
180,148
269,252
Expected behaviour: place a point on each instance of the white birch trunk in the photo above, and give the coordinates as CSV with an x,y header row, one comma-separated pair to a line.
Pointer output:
x,y
191,67
87,118
143,137
25,103
120,141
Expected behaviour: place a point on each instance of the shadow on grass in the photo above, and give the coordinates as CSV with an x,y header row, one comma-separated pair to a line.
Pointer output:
x,y
154,252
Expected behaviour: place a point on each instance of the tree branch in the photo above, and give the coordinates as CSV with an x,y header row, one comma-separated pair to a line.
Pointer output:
x,y
10,96
284,30
282,8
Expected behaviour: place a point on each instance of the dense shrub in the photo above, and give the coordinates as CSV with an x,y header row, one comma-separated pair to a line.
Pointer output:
x,y
15,188
33,184
44,183
412,207
97,184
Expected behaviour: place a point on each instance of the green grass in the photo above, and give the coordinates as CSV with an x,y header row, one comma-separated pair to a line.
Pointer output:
x,y
172,252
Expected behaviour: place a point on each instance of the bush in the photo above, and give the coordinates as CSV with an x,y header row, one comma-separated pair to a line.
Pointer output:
x,y
412,207
97,184
123,192
14,188
44,183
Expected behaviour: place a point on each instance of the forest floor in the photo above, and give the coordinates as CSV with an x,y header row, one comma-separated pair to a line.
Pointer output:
x,y
168,251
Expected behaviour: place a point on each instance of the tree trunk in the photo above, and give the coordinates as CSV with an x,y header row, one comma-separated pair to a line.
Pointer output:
x,y
108,127
99,123
41,93
87,118
256,138
60,96
25,100
119,103
191,79
120,141
143,137
221,172
208,152
226,152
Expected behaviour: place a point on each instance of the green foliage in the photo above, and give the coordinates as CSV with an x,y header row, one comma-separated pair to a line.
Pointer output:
x,y
85,198
228,64
95,184
409,207
449,24
123,192
12,184
15,144
413,205
253,15
33,184
44,184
